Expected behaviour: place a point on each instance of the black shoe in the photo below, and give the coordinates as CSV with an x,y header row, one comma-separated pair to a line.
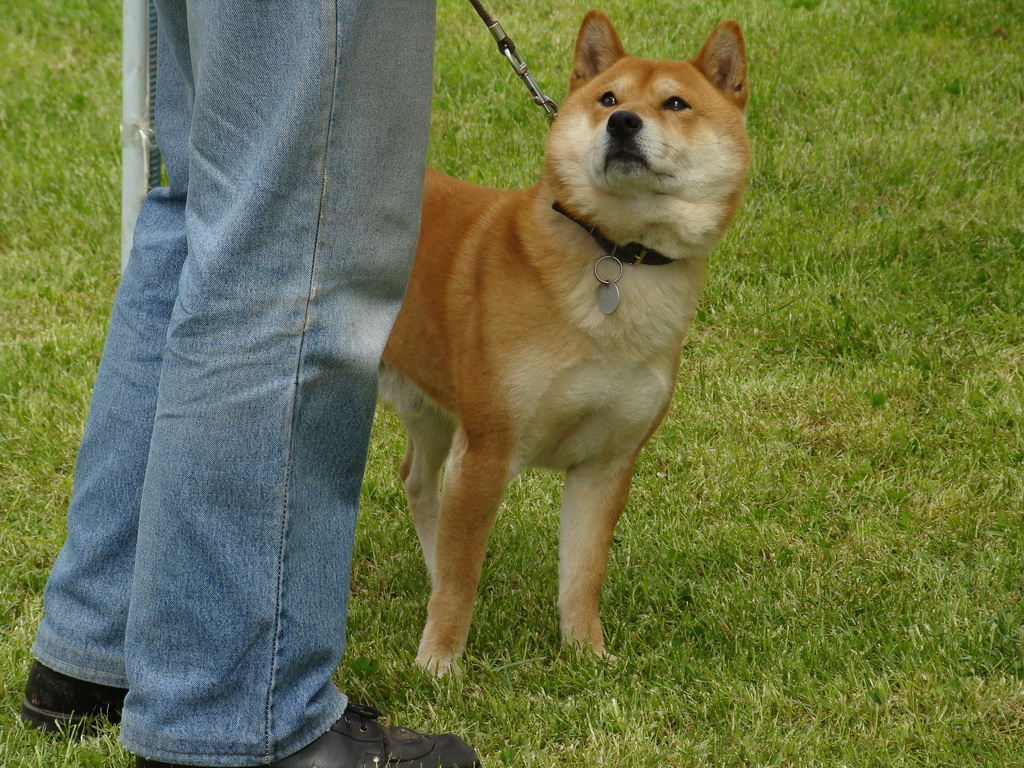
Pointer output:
x,y
358,741
56,703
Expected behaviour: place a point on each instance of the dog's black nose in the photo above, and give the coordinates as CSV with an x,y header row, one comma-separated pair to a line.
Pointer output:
x,y
623,124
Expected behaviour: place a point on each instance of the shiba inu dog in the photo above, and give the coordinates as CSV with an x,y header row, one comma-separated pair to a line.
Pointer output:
x,y
542,327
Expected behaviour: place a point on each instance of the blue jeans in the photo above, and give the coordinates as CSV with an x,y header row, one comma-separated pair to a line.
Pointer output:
x,y
210,530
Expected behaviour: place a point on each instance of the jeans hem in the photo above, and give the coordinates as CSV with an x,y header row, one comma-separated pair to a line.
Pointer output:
x,y
74,663
158,746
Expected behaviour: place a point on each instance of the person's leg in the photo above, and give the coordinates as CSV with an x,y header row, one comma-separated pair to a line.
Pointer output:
x,y
86,600
307,147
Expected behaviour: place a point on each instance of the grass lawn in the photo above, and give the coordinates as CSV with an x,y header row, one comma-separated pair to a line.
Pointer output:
x,y
822,562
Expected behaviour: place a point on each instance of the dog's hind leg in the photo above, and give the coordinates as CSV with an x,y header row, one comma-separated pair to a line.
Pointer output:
x,y
429,431
474,483
429,438
595,495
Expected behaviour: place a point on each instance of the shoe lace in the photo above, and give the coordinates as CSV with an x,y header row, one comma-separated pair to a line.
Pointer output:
x,y
360,712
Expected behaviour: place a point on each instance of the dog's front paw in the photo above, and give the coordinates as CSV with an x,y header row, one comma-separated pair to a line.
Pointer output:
x,y
583,647
438,665
443,641
584,631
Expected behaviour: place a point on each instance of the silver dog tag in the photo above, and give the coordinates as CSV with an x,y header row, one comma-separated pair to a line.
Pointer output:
x,y
608,297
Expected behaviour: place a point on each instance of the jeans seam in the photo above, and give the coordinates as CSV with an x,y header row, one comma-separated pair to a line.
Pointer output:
x,y
332,58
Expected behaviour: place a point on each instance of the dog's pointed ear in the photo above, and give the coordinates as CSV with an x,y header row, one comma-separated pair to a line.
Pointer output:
x,y
597,48
723,60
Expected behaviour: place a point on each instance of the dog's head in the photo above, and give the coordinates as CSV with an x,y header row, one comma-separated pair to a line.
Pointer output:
x,y
652,151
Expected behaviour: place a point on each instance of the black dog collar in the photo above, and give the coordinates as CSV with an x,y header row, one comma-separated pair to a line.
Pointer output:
x,y
633,254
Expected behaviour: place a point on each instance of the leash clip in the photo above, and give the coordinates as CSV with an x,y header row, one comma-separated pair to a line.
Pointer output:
x,y
520,68
508,49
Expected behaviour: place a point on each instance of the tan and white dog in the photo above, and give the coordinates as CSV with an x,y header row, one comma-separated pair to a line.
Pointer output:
x,y
541,336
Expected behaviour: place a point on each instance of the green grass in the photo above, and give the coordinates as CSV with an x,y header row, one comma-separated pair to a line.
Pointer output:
x,y
822,563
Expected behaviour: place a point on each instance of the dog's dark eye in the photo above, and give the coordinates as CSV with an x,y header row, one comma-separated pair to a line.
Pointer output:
x,y
608,100
676,104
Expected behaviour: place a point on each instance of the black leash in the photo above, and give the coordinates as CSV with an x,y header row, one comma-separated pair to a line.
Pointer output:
x,y
508,50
